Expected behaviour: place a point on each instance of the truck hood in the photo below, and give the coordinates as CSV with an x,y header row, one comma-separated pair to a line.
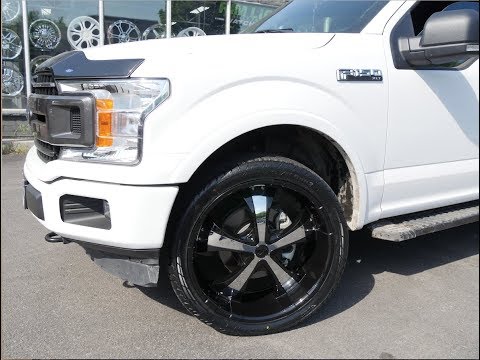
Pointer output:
x,y
167,54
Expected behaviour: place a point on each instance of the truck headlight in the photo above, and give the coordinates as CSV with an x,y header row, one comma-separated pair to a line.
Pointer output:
x,y
122,106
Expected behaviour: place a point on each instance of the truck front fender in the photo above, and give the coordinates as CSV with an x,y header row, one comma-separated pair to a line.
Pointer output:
x,y
209,124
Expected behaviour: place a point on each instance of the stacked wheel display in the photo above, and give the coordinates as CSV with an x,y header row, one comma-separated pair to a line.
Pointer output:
x,y
83,32
191,31
10,10
12,78
44,34
122,31
11,44
45,37
156,31
35,62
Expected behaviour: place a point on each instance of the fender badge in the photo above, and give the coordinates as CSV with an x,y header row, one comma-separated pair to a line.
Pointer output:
x,y
359,75
69,70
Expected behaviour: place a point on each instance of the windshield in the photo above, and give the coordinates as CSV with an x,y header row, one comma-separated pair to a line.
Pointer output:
x,y
320,16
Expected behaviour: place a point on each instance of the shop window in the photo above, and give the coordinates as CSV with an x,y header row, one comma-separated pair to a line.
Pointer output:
x,y
13,79
134,21
198,18
56,26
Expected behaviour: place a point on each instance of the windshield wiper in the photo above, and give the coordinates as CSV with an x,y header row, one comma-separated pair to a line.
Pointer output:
x,y
275,30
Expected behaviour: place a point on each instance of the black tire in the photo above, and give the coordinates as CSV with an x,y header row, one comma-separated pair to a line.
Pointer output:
x,y
260,286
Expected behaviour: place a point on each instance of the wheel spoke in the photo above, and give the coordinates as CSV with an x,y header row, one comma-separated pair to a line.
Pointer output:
x,y
291,238
119,28
259,206
221,242
282,276
259,251
241,279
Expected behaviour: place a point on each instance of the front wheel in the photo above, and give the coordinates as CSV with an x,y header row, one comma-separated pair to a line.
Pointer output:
x,y
260,248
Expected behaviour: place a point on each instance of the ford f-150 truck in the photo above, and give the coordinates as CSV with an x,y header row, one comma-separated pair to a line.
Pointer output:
x,y
242,162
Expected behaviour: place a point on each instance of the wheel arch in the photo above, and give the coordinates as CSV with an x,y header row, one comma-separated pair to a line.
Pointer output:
x,y
322,153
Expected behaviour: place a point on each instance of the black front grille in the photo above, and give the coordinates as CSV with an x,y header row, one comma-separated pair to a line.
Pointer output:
x,y
46,151
43,83
64,120
75,121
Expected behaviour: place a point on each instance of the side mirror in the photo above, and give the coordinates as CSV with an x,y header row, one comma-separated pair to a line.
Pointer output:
x,y
447,37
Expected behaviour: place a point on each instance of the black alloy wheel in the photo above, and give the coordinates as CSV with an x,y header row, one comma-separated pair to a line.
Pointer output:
x,y
259,248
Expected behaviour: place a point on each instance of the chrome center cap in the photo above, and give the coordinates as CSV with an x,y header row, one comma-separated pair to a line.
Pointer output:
x,y
261,251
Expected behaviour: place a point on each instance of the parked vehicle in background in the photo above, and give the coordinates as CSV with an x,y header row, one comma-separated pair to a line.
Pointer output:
x,y
338,116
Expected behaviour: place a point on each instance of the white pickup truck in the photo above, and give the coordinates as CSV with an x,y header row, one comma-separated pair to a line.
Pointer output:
x,y
242,162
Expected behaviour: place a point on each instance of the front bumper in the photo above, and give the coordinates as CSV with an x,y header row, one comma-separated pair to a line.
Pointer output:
x,y
138,214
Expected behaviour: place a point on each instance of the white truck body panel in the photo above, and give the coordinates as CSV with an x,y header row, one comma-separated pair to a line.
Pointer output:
x,y
410,141
432,153
148,208
186,129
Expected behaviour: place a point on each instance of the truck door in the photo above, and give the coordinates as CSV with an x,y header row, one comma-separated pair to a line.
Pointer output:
x,y
433,123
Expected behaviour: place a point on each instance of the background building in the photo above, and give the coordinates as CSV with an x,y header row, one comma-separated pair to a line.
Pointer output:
x,y
35,30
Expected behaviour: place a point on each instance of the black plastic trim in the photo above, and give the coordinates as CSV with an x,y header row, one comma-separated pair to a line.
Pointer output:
x,y
443,28
139,267
50,118
33,200
44,150
152,255
74,64
399,42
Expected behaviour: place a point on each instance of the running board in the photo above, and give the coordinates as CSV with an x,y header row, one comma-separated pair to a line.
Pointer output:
x,y
410,226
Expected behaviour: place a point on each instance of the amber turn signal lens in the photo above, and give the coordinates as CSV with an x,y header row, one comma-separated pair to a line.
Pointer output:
x,y
104,119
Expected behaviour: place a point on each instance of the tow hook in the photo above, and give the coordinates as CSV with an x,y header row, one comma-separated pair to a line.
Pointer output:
x,y
52,237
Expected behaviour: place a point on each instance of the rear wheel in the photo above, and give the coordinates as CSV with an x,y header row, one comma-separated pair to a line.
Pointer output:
x,y
260,248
